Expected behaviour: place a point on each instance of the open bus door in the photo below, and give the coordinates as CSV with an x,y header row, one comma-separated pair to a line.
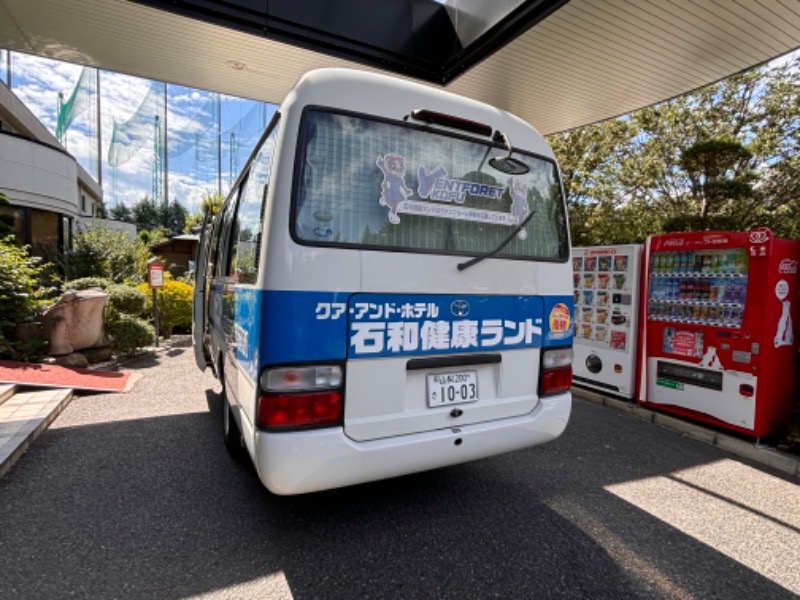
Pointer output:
x,y
199,316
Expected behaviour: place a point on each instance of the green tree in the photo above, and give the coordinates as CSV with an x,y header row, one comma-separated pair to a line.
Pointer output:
x,y
194,220
174,218
99,251
152,237
121,212
211,203
724,156
145,214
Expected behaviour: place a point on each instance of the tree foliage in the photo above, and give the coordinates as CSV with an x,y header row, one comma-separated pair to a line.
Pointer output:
x,y
145,214
20,293
148,215
20,289
98,251
121,212
723,157
211,203
173,217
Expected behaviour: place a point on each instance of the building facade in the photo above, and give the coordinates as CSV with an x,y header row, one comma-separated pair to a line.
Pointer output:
x,y
46,188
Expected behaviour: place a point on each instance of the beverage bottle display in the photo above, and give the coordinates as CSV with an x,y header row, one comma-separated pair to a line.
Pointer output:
x,y
697,286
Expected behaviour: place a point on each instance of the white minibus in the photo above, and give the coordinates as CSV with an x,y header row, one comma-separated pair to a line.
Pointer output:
x,y
388,287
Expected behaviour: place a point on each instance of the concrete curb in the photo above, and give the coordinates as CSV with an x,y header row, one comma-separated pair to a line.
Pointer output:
x,y
770,457
20,433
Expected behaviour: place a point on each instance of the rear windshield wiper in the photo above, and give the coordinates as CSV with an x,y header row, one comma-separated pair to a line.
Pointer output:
x,y
503,244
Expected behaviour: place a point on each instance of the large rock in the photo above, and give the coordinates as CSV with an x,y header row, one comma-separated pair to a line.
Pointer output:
x,y
76,360
75,322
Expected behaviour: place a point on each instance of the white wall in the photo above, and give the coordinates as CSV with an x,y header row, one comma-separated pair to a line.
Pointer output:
x,y
38,176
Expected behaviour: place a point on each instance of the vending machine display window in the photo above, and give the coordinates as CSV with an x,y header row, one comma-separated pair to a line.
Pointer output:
x,y
705,287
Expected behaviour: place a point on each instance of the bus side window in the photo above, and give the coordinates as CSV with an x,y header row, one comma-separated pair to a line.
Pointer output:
x,y
249,215
224,258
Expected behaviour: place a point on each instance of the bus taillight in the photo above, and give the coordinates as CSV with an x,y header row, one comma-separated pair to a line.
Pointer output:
x,y
284,411
556,371
300,397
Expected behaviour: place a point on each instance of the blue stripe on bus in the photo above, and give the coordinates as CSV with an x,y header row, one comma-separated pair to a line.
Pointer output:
x,y
299,326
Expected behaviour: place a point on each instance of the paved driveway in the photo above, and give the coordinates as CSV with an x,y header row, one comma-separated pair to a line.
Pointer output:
x,y
133,496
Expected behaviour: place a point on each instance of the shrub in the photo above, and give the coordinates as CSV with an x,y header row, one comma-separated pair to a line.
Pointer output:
x,y
128,334
20,292
126,299
84,283
174,305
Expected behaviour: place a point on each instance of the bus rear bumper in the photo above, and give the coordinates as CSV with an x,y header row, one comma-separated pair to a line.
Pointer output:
x,y
302,462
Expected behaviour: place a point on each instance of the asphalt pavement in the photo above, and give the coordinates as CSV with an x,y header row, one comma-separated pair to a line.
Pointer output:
x,y
133,496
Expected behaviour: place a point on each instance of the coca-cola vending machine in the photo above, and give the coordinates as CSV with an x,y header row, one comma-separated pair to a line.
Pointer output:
x,y
718,341
606,281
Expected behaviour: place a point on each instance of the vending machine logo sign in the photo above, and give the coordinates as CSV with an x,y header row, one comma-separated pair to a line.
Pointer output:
x,y
674,242
760,236
788,266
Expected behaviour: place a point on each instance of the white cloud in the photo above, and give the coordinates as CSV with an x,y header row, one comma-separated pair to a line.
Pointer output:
x,y
191,116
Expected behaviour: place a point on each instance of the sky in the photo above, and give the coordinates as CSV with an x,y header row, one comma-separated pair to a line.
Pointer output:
x,y
208,136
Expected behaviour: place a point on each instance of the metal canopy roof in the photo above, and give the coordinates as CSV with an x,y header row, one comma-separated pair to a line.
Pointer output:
x,y
557,65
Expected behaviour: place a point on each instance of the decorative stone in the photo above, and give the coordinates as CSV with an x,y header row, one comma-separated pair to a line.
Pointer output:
x,y
97,355
75,322
76,360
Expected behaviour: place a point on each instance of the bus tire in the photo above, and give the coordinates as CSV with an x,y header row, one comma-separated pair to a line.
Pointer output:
x,y
231,435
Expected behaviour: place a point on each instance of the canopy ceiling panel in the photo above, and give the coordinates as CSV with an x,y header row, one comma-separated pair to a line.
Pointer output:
x,y
558,64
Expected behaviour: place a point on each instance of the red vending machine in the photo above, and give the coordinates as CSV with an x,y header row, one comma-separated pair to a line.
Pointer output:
x,y
718,342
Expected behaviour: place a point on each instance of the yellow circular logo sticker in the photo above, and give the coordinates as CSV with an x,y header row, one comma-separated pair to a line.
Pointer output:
x,y
559,319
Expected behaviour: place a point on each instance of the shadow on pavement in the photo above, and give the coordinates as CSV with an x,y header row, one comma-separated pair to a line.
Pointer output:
x,y
155,508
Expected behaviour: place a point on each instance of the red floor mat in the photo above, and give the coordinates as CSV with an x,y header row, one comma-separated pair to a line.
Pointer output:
x,y
62,377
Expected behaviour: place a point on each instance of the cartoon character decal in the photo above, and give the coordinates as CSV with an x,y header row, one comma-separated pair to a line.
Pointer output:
x,y
784,336
394,190
519,203
711,360
436,185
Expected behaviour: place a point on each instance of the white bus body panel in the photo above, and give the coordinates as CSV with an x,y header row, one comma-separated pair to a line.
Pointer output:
x,y
297,463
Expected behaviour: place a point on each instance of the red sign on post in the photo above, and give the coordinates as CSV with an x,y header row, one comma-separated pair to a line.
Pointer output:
x,y
155,273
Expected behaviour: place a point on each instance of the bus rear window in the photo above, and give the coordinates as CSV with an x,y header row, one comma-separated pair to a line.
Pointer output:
x,y
374,184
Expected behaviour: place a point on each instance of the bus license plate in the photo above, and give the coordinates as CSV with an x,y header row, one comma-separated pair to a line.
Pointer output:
x,y
452,388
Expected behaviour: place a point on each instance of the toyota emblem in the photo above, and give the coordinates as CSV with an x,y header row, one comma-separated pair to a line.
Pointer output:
x,y
459,308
